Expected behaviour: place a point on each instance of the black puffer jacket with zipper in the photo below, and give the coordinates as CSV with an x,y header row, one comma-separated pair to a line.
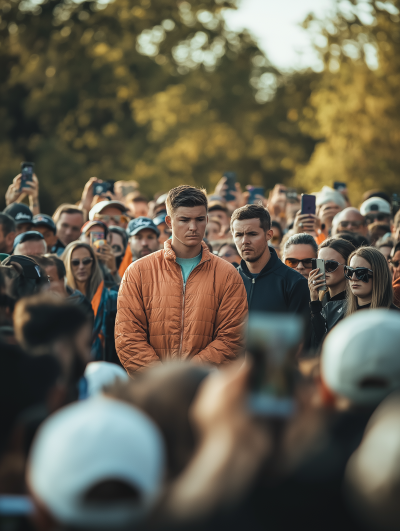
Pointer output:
x,y
325,315
277,288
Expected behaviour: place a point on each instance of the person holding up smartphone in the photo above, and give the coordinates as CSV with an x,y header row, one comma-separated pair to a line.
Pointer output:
x,y
21,188
327,306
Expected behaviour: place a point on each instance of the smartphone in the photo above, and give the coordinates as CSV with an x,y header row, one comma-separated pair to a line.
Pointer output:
x,y
307,204
318,263
96,236
253,192
231,185
272,342
103,188
291,195
339,186
27,170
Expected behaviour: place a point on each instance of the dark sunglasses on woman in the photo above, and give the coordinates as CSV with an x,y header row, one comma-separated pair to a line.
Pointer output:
x,y
362,273
85,261
294,262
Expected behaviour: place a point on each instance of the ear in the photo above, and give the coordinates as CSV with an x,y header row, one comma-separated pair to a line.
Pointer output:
x,y
268,235
168,221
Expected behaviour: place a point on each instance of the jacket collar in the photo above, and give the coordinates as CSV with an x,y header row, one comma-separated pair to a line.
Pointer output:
x,y
273,263
169,253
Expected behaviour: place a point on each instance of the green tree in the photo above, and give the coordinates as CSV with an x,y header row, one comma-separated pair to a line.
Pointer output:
x,y
160,92
354,109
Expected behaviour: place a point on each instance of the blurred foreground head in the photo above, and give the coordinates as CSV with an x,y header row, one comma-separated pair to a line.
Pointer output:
x,y
96,464
166,394
360,357
373,472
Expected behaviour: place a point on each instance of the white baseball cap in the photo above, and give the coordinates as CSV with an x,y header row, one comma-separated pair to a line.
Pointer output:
x,y
328,195
360,356
98,374
90,442
375,204
98,207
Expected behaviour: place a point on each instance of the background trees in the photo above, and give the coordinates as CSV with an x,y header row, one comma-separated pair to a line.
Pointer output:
x,y
161,92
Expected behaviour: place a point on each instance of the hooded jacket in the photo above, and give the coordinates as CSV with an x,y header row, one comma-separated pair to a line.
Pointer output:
x,y
159,318
277,288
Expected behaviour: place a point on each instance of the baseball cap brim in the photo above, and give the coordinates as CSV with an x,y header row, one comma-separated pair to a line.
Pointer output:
x,y
103,204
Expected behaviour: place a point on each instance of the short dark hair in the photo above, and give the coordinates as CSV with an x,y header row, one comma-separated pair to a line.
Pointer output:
x,y
66,208
301,239
42,319
185,196
252,212
7,223
49,260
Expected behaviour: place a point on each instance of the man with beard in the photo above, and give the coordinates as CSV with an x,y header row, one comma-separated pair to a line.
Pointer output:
x,y
271,285
143,237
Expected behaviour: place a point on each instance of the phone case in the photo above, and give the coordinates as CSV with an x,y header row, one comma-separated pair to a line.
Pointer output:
x,y
308,204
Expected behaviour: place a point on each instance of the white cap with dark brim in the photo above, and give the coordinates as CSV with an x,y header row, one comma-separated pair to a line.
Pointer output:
x,y
98,207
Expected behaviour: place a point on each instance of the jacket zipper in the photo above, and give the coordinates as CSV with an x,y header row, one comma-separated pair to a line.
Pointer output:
x,y
253,281
183,305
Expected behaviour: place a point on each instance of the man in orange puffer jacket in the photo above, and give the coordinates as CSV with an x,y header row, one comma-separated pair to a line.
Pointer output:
x,y
182,302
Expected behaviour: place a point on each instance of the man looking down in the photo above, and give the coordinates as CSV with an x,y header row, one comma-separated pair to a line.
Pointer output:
x,y
181,302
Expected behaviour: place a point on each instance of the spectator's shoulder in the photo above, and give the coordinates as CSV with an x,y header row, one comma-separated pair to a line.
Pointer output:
x,y
225,270
147,262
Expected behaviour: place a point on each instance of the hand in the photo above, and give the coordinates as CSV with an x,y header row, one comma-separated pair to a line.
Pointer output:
x,y
14,193
315,276
105,255
277,203
305,223
32,190
87,194
327,212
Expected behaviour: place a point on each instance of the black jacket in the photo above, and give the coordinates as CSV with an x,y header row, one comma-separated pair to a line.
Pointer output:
x,y
324,316
278,288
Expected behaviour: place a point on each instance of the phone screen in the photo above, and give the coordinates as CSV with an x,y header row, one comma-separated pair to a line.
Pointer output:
x,y
272,341
307,204
318,263
231,186
27,173
255,191
337,185
96,236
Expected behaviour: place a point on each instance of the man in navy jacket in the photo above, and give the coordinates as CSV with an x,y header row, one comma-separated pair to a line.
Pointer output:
x,y
271,285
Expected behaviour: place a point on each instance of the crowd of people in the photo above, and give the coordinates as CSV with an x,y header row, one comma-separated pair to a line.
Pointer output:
x,y
127,361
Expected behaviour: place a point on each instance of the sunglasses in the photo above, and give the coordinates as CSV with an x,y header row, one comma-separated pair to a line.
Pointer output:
x,y
370,218
362,273
85,261
395,263
294,262
331,265
116,219
356,224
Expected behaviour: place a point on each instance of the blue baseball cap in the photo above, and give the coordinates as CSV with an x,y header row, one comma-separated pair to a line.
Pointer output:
x,y
160,218
138,224
45,221
26,236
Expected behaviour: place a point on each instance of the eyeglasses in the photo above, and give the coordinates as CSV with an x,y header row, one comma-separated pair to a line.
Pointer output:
x,y
362,273
395,263
85,261
356,224
331,265
294,262
370,218
116,219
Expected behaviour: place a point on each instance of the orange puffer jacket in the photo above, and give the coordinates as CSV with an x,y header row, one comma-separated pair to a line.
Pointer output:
x,y
159,319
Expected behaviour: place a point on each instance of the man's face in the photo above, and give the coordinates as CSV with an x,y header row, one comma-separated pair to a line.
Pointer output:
x,y
56,284
23,227
31,248
377,217
223,218
214,231
6,242
250,238
139,209
165,233
49,237
352,221
188,224
143,243
69,227
112,216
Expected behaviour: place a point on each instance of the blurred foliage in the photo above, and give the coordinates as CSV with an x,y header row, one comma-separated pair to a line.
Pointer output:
x,y
159,91
354,108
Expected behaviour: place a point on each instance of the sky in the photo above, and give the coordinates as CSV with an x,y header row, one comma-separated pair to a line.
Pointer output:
x,y
276,25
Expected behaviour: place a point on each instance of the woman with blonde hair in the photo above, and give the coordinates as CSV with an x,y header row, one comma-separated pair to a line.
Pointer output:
x,y
370,281
83,273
